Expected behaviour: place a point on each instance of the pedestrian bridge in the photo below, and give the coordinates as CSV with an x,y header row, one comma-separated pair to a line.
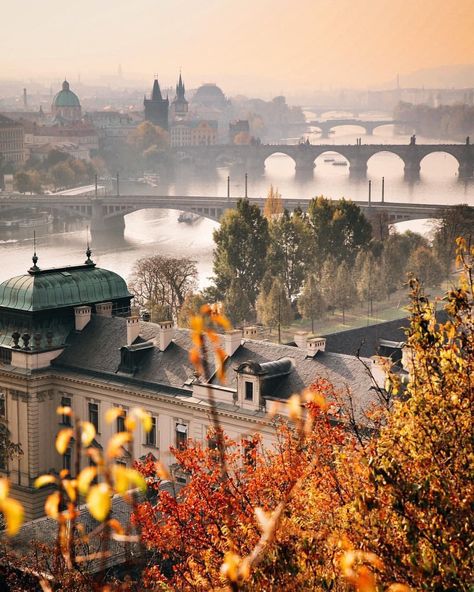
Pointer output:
x,y
107,213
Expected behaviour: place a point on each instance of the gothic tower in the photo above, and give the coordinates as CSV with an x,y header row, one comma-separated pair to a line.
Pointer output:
x,y
179,106
156,108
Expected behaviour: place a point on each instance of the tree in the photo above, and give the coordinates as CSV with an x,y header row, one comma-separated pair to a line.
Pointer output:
x,y
22,181
191,306
289,253
241,248
236,303
311,304
452,223
62,174
415,511
274,307
163,282
370,280
424,265
215,520
344,289
340,229
273,207
397,249
147,135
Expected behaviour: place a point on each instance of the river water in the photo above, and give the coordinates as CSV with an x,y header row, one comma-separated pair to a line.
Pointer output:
x,y
151,232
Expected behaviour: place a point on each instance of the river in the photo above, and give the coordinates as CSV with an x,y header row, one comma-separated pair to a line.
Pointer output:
x,y
153,231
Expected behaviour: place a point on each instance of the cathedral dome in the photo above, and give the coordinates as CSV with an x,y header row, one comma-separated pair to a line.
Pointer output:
x,y
210,95
65,97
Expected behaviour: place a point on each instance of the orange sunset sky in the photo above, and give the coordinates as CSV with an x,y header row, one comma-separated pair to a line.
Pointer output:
x,y
258,44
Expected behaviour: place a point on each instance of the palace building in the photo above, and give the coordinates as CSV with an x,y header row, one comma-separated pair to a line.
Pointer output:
x,y
68,337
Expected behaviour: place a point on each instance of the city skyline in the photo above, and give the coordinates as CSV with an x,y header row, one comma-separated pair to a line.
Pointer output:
x,y
315,44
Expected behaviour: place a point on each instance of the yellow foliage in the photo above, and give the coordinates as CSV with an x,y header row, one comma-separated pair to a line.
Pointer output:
x,y
99,501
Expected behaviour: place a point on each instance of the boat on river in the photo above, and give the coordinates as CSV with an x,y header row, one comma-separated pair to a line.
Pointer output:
x,y
188,217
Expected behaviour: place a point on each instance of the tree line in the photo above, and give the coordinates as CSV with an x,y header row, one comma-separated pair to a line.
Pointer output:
x,y
446,121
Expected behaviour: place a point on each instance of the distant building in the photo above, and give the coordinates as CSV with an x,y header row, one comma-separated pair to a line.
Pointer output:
x,y
11,141
66,105
75,138
179,107
156,108
209,103
195,132
239,132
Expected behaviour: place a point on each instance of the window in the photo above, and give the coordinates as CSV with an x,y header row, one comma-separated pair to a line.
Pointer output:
x,y
150,437
94,415
248,391
121,421
67,456
3,407
66,419
181,435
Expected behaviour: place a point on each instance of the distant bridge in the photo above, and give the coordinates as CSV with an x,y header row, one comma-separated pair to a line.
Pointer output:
x,y
106,213
253,157
327,125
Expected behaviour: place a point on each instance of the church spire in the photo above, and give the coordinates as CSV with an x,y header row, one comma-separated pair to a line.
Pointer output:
x,y
156,92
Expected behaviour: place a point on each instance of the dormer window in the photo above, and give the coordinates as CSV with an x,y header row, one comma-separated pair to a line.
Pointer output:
x,y
248,390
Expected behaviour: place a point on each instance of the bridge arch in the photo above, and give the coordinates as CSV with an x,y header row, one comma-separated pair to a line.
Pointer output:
x,y
386,163
278,153
439,163
325,161
211,213
360,127
83,212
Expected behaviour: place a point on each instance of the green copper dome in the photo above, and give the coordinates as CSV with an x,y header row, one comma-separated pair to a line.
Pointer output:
x,y
66,98
63,287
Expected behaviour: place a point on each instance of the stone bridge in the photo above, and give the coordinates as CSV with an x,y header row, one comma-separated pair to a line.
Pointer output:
x,y
328,125
106,213
253,157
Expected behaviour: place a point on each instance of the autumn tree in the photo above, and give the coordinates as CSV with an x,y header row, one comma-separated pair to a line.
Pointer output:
x,y
424,265
162,283
191,306
241,247
311,304
416,508
274,307
457,221
236,303
397,249
371,285
146,135
273,207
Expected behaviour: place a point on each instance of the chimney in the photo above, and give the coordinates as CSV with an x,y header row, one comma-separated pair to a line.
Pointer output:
x,y
315,344
232,340
82,315
301,339
165,334
250,332
133,329
104,309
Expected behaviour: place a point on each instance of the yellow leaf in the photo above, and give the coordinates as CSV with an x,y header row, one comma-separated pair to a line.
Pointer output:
x,y
144,417
14,513
51,505
87,433
294,407
130,423
98,501
125,479
112,414
84,479
70,488
95,455
398,588
230,566
63,439
4,488
116,442
64,411
43,480
365,581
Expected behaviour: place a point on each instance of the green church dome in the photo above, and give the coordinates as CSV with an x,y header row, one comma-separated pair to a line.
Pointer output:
x,y
65,97
62,287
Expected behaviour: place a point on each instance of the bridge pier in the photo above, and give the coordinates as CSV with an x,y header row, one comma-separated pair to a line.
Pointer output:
x,y
100,224
466,169
412,170
358,168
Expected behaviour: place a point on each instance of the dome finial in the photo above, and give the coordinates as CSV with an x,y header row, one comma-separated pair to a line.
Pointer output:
x,y
88,261
34,268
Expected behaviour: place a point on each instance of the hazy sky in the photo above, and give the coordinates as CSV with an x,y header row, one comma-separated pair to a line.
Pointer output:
x,y
260,44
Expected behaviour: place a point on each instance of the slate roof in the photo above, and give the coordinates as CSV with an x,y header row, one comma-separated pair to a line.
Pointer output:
x,y
364,341
96,350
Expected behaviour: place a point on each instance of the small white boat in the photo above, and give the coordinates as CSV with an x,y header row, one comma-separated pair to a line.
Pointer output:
x,y
188,217
339,163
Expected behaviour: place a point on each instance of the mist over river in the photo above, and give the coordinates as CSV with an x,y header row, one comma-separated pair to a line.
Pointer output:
x,y
149,232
